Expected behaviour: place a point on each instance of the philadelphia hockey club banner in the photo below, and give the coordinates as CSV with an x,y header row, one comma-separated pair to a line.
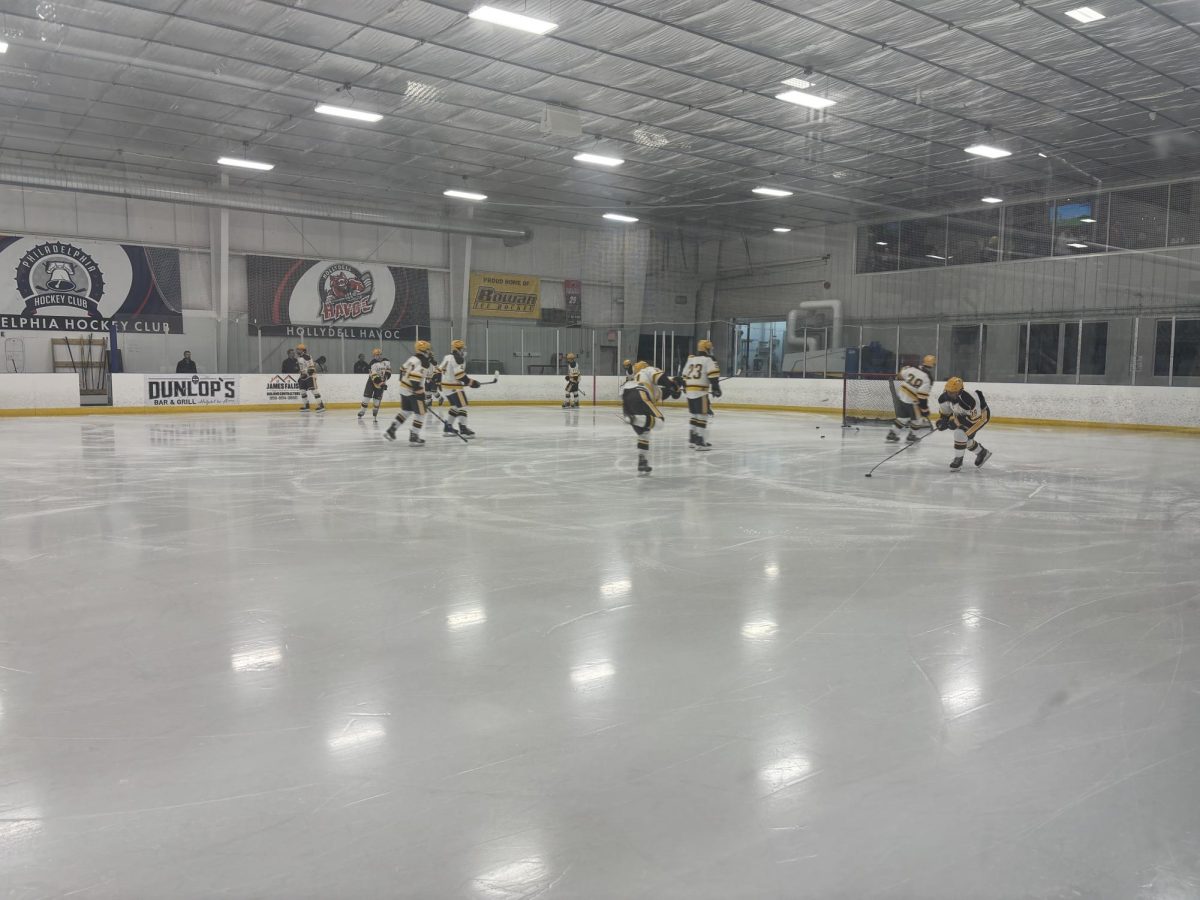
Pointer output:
x,y
69,284
311,298
191,390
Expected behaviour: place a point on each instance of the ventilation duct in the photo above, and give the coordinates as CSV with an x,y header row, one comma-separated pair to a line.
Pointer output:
x,y
225,198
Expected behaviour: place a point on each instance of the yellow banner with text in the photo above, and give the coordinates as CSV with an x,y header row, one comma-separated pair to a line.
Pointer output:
x,y
496,295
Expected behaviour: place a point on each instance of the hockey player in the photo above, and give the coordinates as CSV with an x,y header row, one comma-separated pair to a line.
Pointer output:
x,y
417,369
627,368
571,400
966,414
910,397
702,382
308,379
453,382
379,371
640,396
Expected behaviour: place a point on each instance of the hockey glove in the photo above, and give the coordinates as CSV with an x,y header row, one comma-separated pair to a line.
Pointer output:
x,y
716,388
944,423
471,382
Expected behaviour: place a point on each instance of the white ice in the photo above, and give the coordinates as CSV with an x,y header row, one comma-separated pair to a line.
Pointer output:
x,y
274,656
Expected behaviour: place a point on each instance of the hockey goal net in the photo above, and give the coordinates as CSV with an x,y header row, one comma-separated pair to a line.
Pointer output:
x,y
867,399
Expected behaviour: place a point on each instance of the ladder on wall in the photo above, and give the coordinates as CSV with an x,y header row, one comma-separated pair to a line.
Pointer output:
x,y
14,355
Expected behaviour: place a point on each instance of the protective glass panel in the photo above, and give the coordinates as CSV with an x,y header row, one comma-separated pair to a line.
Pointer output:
x,y
974,237
1138,219
878,247
1080,225
1028,230
923,243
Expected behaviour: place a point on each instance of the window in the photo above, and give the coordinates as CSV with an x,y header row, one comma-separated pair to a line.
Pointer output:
x,y
878,247
1183,226
923,243
1138,219
1187,348
1089,355
1027,230
1049,342
965,351
974,237
1080,224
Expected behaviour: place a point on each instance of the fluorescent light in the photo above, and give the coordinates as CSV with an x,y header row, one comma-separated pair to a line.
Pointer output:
x,y
803,98
1078,246
989,152
1088,221
512,20
617,217
464,195
992,199
3,46
935,256
781,230
1085,14
598,160
771,192
881,243
245,163
360,115
798,83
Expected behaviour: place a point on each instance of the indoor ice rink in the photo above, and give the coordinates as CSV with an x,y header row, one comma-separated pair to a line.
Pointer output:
x,y
642,290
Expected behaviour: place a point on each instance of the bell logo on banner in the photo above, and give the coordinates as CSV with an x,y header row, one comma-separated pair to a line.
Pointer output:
x,y
495,295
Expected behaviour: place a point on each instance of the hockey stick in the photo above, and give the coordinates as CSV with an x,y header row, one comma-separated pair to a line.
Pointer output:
x,y
493,381
898,452
734,375
447,424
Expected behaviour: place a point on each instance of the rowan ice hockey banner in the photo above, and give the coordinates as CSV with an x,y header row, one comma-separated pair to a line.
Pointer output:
x,y
335,298
495,295
66,285
191,390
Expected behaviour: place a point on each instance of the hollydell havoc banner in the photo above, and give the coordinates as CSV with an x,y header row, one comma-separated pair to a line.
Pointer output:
x,y
335,298
495,295
66,285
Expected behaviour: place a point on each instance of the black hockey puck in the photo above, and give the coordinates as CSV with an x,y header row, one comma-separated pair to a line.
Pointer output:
x,y
868,475
822,437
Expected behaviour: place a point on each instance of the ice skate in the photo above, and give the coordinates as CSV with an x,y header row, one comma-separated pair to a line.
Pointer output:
x,y
390,434
566,404
465,431
414,438
892,437
448,431
305,408
957,464
320,408
362,412
912,437
983,456
644,466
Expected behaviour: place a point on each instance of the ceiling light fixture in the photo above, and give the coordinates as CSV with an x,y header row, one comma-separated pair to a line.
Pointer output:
x,y
345,112
992,199
245,163
1078,246
1085,14
802,98
781,230
512,20
771,192
617,217
798,83
464,195
3,46
988,151
935,256
881,243
597,159
1088,221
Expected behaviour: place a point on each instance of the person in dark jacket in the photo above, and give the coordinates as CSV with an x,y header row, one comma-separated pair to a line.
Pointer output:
x,y
187,365
291,365
361,366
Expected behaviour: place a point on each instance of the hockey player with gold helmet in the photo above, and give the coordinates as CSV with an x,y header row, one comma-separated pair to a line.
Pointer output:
x,y
308,379
453,383
417,370
574,373
966,414
378,373
910,397
640,396
701,382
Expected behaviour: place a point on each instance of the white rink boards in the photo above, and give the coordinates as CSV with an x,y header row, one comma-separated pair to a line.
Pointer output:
x,y
269,655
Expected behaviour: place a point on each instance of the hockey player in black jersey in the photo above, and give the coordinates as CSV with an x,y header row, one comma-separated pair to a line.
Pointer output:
x,y
966,414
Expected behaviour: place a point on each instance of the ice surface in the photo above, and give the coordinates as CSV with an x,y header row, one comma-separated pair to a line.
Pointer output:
x,y
274,656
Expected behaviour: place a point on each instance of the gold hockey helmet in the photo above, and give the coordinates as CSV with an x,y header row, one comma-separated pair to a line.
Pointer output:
x,y
954,384
704,345
639,365
627,363
570,357
458,344
422,347
929,361
301,347
377,352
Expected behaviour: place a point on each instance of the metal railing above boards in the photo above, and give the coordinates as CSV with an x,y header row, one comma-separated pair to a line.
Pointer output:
x,y
1159,350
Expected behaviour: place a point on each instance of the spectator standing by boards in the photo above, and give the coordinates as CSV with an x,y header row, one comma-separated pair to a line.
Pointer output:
x,y
291,365
187,365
